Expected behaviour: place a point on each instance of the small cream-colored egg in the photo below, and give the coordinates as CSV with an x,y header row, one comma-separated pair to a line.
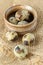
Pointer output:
x,y
28,38
11,35
22,22
22,14
20,51
13,20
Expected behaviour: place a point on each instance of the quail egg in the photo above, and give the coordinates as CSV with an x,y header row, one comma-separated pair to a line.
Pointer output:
x,y
11,35
22,14
28,38
13,20
22,22
20,51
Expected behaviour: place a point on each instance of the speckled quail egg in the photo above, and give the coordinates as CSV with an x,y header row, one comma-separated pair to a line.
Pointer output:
x,y
11,35
20,51
22,22
22,14
28,38
13,20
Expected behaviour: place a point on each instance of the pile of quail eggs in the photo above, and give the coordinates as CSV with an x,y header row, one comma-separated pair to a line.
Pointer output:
x,y
21,50
20,17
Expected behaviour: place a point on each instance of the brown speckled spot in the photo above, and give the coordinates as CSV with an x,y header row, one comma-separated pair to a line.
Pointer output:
x,y
26,43
32,41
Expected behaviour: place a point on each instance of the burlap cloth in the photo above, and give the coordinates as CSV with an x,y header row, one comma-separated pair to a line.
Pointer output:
x,y
35,56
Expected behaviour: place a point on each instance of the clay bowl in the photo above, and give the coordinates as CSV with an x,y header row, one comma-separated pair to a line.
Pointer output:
x,y
22,29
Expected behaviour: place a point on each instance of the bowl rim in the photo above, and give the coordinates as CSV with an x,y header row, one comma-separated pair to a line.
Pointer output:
x,y
31,8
